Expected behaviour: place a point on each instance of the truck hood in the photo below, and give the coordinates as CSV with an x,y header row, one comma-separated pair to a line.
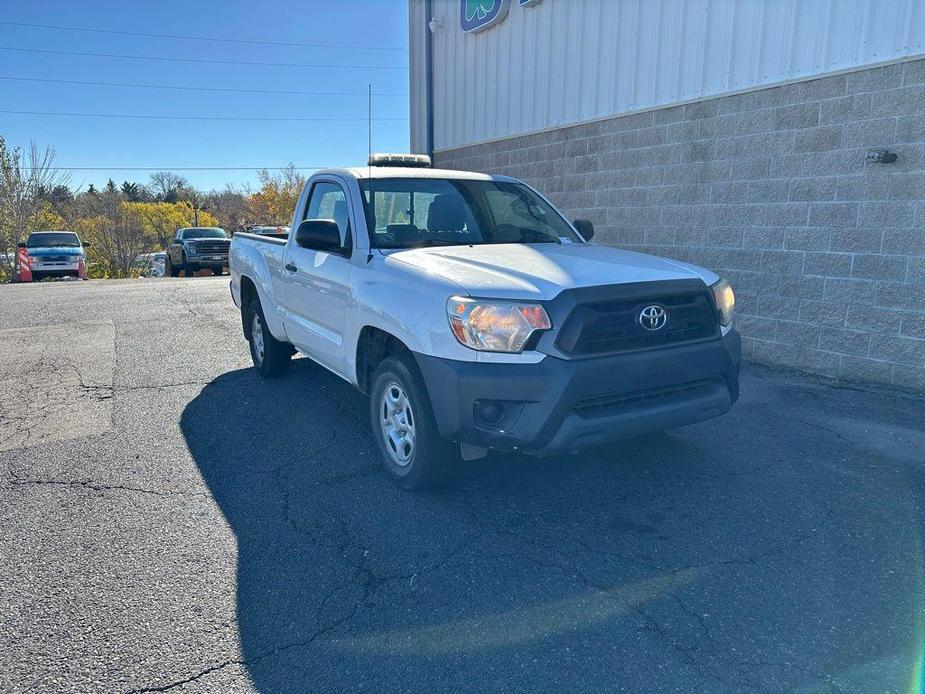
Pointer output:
x,y
38,251
541,271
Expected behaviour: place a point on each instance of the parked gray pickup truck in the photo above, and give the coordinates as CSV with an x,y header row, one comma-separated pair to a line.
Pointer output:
x,y
197,248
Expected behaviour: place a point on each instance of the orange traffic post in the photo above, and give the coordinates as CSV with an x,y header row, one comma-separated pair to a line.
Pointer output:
x,y
82,268
24,266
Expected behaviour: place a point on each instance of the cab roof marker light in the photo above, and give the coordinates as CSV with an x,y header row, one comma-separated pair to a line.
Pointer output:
x,y
414,161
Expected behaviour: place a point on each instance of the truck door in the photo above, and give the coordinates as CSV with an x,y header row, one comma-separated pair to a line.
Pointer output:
x,y
316,283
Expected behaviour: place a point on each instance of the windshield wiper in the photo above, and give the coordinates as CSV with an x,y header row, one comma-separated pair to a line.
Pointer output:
x,y
526,242
428,243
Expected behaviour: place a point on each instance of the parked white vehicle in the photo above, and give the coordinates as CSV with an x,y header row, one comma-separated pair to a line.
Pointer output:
x,y
152,264
282,231
476,317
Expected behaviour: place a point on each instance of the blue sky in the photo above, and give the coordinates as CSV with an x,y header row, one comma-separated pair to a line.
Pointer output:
x,y
351,25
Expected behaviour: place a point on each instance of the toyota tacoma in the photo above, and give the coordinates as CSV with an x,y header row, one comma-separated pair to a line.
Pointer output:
x,y
477,318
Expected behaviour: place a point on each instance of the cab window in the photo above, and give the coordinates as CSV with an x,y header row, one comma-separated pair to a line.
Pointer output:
x,y
328,201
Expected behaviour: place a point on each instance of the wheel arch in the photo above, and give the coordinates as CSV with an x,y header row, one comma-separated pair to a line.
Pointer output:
x,y
373,345
251,286
248,294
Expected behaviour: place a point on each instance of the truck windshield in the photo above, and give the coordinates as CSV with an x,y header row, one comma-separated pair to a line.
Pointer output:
x,y
416,212
46,239
205,234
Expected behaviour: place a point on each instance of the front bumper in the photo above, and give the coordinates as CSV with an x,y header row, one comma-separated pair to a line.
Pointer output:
x,y
204,260
55,268
560,405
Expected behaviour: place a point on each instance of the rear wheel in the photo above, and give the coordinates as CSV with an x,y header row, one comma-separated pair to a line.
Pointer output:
x,y
270,356
410,446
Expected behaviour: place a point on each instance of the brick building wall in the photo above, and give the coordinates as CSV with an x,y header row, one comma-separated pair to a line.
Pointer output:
x,y
771,189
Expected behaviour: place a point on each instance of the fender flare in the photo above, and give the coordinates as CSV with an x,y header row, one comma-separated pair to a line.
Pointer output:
x,y
259,277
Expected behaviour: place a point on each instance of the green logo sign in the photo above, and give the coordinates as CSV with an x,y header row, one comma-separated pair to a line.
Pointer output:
x,y
475,15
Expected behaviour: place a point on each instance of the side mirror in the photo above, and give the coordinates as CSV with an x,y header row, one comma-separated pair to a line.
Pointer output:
x,y
86,244
21,244
585,228
319,235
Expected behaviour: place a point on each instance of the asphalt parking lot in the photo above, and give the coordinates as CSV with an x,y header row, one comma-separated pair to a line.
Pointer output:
x,y
170,522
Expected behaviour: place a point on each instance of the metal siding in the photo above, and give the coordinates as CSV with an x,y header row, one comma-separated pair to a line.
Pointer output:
x,y
417,76
561,62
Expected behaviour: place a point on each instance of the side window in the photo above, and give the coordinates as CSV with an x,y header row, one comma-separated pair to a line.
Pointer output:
x,y
328,201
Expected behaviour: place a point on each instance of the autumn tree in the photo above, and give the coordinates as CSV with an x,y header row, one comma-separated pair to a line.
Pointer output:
x,y
167,186
117,232
274,202
230,207
160,220
24,176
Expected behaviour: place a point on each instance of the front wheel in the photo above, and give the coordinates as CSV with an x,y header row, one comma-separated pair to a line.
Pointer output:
x,y
410,446
170,268
270,356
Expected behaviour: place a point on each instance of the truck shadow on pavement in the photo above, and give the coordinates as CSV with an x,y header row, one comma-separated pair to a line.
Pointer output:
x,y
723,556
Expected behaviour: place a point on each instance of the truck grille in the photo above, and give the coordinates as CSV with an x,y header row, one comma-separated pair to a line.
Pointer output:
x,y
212,247
613,326
612,403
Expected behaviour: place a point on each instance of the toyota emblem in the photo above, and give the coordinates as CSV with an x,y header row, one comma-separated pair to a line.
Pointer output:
x,y
653,317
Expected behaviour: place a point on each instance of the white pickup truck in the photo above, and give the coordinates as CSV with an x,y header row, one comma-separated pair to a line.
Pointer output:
x,y
476,317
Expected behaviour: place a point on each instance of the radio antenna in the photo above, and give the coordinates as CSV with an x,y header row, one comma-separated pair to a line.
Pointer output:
x,y
369,165
369,122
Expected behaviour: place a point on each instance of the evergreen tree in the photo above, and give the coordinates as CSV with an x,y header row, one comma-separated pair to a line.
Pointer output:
x,y
130,191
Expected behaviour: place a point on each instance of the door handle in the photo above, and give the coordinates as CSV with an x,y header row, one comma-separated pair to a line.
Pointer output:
x,y
291,267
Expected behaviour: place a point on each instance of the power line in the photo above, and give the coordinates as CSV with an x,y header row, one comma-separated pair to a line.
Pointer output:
x,y
204,60
209,118
177,168
184,37
195,89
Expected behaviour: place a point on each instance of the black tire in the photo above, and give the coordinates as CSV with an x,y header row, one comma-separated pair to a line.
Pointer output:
x,y
216,271
433,460
270,356
170,269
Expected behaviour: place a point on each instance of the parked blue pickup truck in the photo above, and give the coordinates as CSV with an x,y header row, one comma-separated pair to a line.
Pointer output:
x,y
55,254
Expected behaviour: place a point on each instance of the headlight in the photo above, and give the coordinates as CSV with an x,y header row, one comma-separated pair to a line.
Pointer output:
x,y
495,326
725,301
191,248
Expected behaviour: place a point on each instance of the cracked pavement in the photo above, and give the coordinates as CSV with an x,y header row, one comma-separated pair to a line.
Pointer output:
x,y
171,522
